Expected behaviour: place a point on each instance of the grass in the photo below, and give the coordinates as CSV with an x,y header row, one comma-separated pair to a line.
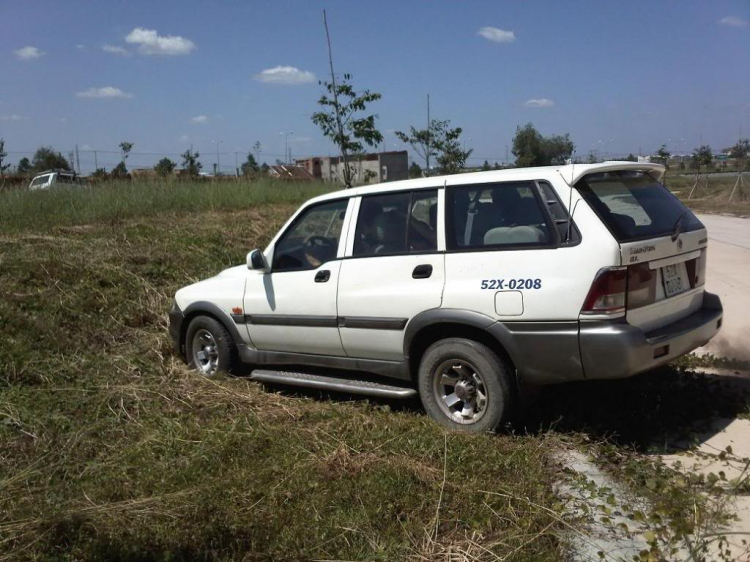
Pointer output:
x,y
110,448
119,200
712,194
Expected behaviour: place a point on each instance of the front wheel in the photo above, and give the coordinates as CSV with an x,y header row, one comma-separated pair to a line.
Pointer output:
x,y
465,385
209,346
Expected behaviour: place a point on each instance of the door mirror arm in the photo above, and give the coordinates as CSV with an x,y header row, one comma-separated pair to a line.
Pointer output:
x,y
257,261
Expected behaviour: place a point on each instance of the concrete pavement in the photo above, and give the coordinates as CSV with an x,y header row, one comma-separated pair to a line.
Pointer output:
x,y
728,275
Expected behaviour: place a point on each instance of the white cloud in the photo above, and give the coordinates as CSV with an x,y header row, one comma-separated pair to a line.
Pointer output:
x,y
285,75
63,120
539,102
80,46
151,43
184,138
13,117
497,35
28,53
104,92
733,21
199,120
116,50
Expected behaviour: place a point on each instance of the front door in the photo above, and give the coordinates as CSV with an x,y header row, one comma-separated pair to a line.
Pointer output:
x,y
392,272
292,308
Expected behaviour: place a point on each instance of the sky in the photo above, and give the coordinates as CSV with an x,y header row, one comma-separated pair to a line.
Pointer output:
x,y
620,77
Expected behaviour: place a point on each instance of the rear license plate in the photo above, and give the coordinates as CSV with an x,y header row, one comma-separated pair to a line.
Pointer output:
x,y
675,279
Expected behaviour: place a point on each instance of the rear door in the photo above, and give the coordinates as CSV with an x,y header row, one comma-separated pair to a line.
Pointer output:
x,y
393,270
661,241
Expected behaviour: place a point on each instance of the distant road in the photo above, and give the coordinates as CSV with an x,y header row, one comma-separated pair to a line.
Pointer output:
x,y
728,275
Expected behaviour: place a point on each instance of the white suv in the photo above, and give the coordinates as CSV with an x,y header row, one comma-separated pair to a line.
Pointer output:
x,y
463,288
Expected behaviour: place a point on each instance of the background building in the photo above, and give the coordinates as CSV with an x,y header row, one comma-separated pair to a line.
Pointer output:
x,y
366,168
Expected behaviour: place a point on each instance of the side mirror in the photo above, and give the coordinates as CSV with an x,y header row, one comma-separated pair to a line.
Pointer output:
x,y
257,261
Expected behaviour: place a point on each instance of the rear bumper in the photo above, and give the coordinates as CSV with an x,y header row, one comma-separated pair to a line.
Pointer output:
x,y
615,349
175,326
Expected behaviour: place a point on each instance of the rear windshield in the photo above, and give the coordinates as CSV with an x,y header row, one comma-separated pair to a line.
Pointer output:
x,y
635,206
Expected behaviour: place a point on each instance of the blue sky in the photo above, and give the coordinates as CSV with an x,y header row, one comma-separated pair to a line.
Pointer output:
x,y
165,75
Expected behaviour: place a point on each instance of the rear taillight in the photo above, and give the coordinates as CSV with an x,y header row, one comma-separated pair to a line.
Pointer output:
x,y
641,285
607,293
697,270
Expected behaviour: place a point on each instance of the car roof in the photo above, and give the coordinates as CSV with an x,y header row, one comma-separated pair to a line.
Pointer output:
x,y
570,173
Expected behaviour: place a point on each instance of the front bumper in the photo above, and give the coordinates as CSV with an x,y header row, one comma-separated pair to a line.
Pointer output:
x,y
612,350
175,327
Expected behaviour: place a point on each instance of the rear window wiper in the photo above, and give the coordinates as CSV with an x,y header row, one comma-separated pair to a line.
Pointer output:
x,y
677,229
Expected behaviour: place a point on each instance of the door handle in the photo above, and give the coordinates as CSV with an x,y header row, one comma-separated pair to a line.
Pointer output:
x,y
422,271
322,276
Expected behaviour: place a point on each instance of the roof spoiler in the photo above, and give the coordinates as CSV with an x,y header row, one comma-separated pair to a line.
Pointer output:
x,y
580,170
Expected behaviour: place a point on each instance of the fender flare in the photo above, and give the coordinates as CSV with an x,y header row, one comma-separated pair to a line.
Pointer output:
x,y
212,310
469,318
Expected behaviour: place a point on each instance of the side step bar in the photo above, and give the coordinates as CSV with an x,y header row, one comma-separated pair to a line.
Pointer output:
x,y
353,386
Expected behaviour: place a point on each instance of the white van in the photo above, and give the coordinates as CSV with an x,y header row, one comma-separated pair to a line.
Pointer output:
x,y
463,288
53,178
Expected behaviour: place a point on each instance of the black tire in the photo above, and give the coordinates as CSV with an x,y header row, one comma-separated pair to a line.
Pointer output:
x,y
460,356
206,332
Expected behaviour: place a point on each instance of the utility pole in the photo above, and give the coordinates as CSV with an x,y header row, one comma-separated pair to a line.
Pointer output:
x,y
78,161
337,107
429,135
96,162
236,165
218,165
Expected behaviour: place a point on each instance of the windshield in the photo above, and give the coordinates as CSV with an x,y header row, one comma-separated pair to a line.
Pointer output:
x,y
40,180
635,206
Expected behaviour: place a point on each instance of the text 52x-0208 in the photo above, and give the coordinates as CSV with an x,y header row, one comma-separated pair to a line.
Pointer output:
x,y
512,284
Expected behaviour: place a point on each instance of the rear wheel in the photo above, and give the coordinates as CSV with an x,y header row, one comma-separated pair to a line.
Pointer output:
x,y
209,346
465,385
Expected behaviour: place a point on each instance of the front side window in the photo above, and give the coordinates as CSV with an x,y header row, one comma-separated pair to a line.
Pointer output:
x,y
312,239
397,223
635,206
495,216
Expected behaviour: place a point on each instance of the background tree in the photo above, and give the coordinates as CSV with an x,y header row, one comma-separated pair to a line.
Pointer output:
x,y
264,168
486,166
3,155
702,156
422,141
24,166
120,172
631,158
45,158
190,162
165,167
339,119
531,148
250,166
340,123
740,152
451,157
100,174
662,155
415,170
125,148
438,142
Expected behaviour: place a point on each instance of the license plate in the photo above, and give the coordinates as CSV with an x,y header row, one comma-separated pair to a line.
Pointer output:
x,y
675,279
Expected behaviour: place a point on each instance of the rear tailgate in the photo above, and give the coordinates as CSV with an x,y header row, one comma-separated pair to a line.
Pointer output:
x,y
676,288
662,244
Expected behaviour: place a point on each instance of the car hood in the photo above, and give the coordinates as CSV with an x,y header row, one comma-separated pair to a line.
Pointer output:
x,y
232,272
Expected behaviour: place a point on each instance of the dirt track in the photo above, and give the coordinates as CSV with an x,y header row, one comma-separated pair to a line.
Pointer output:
x,y
729,276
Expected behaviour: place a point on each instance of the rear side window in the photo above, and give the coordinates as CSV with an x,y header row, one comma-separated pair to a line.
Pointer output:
x,y
501,215
635,206
397,223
